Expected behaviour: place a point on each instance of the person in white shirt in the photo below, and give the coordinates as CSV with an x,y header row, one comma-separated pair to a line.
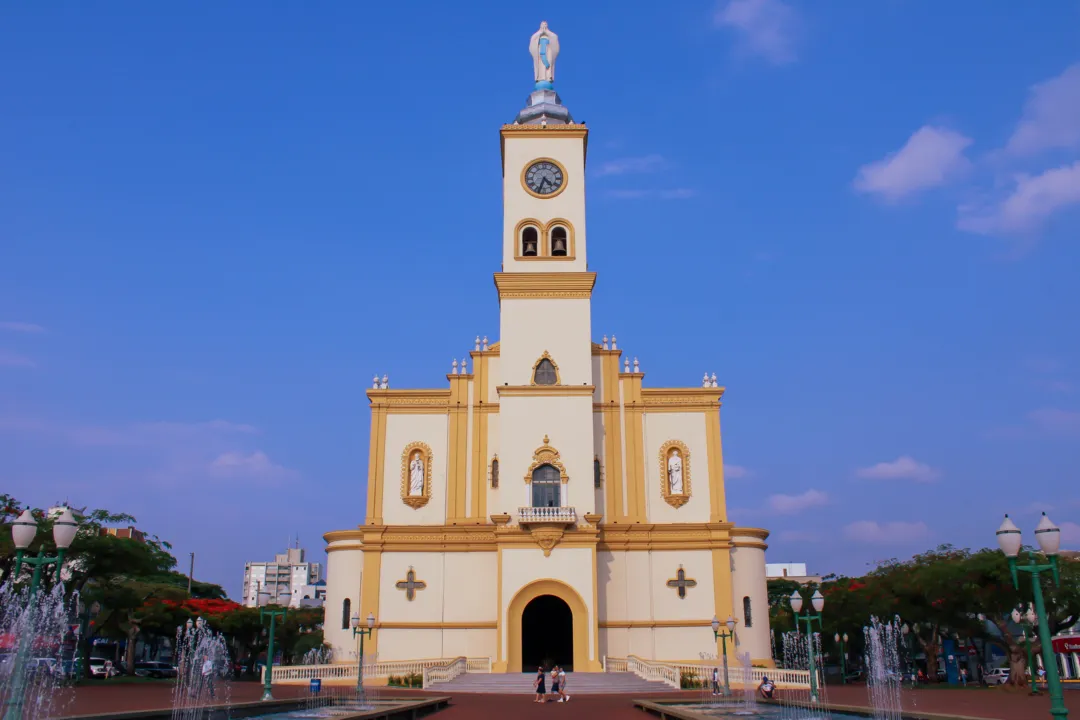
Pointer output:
x,y
563,697
208,675
716,681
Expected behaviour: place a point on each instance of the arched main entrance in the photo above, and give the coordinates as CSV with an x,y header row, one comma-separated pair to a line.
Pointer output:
x,y
547,634
582,643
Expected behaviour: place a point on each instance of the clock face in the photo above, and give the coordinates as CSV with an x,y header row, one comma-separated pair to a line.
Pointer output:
x,y
544,178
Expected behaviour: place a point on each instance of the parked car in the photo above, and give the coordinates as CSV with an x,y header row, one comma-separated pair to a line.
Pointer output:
x,y
98,668
998,676
153,669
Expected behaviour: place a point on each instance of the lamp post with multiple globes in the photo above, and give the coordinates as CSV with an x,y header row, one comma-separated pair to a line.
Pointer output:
x,y
1027,621
361,633
23,532
842,640
1048,536
722,636
818,603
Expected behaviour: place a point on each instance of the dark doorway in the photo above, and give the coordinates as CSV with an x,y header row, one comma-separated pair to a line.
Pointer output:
x,y
547,634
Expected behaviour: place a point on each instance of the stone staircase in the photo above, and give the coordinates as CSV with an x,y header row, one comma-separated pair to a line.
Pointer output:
x,y
579,683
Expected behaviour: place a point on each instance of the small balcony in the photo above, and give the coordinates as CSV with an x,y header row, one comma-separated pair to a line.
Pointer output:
x,y
547,516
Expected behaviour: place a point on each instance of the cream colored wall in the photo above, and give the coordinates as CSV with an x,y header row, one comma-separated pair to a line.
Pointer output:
x,y
567,421
690,429
460,587
504,498
469,441
572,566
599,501
423,644
748,579
531,326
519,205
400,431
493,381
471,589
344,574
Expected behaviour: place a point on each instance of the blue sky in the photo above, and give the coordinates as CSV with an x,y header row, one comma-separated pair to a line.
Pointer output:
x,y
218,221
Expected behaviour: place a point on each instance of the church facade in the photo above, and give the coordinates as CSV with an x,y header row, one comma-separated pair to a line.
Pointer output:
x,y
544,505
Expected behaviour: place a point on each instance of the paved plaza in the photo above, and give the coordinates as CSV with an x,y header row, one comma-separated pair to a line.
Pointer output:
x,y
987,704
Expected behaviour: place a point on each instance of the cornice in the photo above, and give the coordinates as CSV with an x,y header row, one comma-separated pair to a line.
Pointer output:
x,y
566,285
429,398
534,390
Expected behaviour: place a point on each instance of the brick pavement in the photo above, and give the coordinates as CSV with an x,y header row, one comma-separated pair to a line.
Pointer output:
x,y
991,704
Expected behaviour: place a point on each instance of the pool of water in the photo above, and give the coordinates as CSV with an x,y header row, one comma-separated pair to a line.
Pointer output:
x,y
766,712
323,712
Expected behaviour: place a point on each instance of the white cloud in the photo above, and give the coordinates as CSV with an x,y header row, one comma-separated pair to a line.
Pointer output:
x,y
794,504
902,468
624,166
255,465
1030,204
735,472
1051,116
1070,535
11,359
766,28
889,533
798,536
1056,421
21,327
931,157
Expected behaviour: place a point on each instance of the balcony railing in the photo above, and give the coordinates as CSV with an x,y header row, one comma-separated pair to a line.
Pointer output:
x,y
549,515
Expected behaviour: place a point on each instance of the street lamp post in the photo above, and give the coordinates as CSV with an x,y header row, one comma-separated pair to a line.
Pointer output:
x,y
23,532
842,639
723,636
361,633
1027,621
1049,537
818,603
273,614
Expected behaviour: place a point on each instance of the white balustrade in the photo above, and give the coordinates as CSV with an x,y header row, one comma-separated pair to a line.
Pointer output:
x,y
672,672
445,672
301,674
553,515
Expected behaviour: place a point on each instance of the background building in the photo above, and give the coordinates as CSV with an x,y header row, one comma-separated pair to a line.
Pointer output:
x,y
790,571
288,580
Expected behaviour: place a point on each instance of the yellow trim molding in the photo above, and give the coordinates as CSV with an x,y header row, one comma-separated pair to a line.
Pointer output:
x,y
467,625
542,358
519,242
572,131
560,285
580,614
546,390
415,501
675,500
424,401
681,399
546,455
622,624
556,163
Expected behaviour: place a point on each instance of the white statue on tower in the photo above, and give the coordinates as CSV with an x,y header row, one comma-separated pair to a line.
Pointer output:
x,y
416,475
674,471
544,48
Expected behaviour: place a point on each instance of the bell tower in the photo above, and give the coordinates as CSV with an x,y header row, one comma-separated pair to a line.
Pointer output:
x,y
546,377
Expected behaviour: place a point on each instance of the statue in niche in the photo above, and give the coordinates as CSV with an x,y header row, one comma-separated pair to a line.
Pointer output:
x,y
416,474
674,471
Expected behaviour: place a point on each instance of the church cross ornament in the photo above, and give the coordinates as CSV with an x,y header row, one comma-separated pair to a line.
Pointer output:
x,y
410,585
681,582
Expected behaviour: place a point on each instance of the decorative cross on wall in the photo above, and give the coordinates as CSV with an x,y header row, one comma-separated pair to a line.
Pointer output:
x,y
410,585
681,582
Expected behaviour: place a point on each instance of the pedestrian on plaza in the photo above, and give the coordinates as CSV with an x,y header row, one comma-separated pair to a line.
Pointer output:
x,y
555,680
963,676
563,697
208,675
716,681
538,685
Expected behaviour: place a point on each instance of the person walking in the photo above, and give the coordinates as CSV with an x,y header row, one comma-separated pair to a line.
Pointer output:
x,y
208,675
716,681
564,697
963,676
541,691
555,680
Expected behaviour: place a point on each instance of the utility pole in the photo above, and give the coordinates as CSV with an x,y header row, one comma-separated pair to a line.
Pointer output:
x,y
191,573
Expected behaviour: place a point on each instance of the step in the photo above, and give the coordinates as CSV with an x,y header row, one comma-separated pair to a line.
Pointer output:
x,y
581,683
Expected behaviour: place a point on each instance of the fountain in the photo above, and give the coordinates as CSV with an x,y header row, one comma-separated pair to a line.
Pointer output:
x,y
202,660
34,626
322,655
884,676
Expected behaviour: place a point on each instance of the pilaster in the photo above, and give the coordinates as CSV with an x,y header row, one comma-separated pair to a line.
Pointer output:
x,y
457,456
633,411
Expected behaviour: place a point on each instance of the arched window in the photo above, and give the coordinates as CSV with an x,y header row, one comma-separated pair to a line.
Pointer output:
x,y
346,613
748,620
495,472
545,373
596,473
530,242
559,244
546,484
